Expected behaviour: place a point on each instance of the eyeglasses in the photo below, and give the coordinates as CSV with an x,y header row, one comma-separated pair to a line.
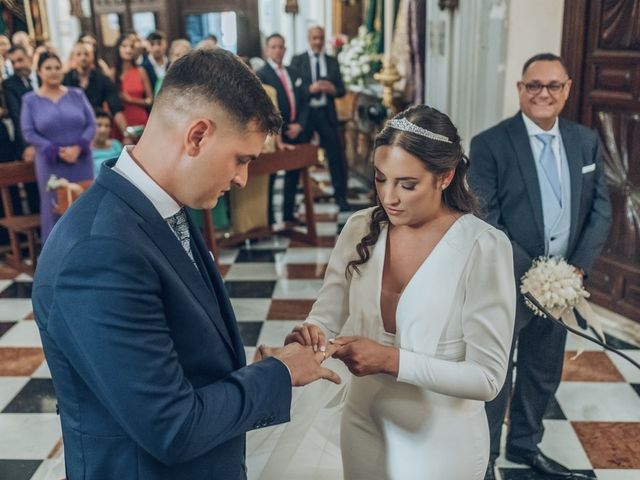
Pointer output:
x,y
535,88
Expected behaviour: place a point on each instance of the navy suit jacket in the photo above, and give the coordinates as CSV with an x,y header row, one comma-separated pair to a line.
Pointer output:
x,y
302,64
145,355
268,76
14,89
151,72
502,172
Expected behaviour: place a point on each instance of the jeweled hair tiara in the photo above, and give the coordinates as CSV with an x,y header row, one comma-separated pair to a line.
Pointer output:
x,y
406,126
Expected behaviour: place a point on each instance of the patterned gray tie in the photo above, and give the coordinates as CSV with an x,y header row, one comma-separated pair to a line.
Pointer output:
x,y
180,226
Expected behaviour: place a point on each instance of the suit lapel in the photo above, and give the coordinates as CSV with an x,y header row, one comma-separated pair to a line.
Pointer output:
x,y
161,235
214,280
571,144
522,148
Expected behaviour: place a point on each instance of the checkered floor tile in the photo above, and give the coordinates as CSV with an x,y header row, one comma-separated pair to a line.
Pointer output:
x,y
593,426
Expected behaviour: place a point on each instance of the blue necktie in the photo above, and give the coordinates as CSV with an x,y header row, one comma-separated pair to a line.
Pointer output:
x,y
549,164
180,226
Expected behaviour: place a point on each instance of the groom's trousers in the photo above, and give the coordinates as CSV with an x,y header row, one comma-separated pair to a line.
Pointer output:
x,y
539,360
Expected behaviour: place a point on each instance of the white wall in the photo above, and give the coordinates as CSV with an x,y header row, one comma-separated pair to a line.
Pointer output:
x,y
294,28
534,27
465,68
63,28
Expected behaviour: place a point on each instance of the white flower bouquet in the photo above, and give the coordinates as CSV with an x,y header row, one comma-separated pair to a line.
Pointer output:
x,y
558,287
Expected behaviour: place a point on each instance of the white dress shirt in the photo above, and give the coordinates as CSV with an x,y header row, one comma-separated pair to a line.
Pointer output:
x,y
161,200
322,100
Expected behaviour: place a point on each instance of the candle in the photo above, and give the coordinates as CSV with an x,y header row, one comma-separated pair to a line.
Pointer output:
x,y
388,27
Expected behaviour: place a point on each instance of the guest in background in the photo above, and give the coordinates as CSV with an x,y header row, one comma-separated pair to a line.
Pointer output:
x,y
132,82
6,69
139,50
15,87
103,147
321,75
59,122
294,111
156,61
542,180
89,39
22,39
178,48
98,88
8,151
210,41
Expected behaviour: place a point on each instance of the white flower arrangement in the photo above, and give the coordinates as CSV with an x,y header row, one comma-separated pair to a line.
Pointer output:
x,y
358,57
558,287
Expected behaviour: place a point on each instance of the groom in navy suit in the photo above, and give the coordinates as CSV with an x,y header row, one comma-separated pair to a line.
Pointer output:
x,y
144,351
542,181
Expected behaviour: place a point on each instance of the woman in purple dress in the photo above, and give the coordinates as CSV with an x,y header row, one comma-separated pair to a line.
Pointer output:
x,y
60,123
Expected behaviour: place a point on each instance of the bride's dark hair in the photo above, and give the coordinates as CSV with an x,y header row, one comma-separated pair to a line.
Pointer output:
x,y
437,157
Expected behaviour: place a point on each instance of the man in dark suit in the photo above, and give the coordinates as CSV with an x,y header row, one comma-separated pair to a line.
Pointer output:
x,y
14,88
98,88
320,74
138,331
542,180
295,113
156,62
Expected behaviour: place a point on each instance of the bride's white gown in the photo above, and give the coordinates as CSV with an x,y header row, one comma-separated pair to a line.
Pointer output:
x,y
454,324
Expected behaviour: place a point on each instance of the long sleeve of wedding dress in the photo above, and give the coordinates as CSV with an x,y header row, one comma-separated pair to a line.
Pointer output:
x,y
487,325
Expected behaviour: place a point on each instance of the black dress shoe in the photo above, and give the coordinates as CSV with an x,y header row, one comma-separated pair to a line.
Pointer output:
x,y
491,474
541,463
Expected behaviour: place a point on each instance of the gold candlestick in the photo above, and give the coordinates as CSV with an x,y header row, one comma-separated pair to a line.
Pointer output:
x,y
387,77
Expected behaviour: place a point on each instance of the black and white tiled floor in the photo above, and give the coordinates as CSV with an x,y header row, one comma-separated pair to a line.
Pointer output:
x,y
592,427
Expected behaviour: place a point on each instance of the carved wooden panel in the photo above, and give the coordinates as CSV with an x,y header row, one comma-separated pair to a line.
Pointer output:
x,y
601,43
620,25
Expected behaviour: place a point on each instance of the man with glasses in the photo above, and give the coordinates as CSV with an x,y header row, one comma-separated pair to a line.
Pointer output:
x,y
542,182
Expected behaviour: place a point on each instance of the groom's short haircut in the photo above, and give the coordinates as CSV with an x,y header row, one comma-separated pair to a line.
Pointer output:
x,y
207,79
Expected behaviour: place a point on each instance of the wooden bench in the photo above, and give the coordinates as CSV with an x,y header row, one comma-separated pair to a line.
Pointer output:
x,y
13,174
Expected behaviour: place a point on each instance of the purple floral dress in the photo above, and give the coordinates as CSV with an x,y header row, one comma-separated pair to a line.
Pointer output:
x,y
49,125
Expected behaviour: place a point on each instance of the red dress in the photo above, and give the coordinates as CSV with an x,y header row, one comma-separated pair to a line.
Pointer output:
x,y
131,83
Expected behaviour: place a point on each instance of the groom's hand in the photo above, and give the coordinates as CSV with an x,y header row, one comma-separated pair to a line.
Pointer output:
x,y
302,362
363,356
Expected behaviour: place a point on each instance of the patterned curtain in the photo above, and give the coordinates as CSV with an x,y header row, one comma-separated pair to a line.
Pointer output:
x,y
408,49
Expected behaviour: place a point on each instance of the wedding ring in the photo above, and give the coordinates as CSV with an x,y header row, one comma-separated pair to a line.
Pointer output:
x,y
324,355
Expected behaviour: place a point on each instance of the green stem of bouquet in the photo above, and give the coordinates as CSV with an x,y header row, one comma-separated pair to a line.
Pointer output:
x,y
547,314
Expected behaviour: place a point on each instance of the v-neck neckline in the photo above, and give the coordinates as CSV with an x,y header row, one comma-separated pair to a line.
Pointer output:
x,y
384,238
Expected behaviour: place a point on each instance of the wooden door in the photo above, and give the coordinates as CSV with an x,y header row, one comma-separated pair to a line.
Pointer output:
x,y
601,42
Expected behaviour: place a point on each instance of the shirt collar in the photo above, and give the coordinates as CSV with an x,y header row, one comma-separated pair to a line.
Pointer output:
x,y
165,61
161,200
313,55
533,129
273,64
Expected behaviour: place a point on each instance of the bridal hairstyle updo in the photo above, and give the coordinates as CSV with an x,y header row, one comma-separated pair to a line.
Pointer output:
x,y
437,156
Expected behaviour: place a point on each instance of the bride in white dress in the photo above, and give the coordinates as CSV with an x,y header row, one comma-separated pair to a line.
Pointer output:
x,y
419,295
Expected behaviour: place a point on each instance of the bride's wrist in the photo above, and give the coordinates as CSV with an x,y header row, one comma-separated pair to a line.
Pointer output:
x,y
392,362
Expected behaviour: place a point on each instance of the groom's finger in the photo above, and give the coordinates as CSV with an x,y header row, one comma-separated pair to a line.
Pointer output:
x,y
330,375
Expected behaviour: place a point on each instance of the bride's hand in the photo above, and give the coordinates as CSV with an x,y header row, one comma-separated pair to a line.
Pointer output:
x,y
307,334
363,356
